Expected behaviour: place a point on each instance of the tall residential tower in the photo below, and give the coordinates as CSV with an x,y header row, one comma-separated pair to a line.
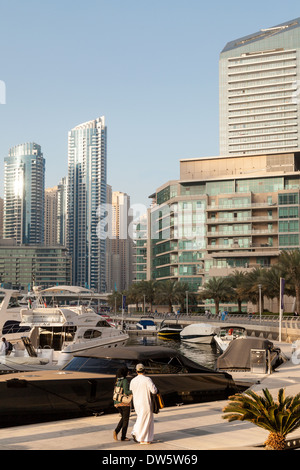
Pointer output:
x,y
260,92
86,192
24,187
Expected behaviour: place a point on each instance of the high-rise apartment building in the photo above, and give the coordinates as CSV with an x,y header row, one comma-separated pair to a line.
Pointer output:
x,y
140,249
24,189
260,92
224,213
51,216
86,192
121,241
1,216
61,212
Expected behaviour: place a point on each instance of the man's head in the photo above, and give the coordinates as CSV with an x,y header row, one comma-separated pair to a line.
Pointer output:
x,y
140,368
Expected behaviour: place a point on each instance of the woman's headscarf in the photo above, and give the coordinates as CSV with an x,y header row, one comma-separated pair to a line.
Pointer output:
x,y
122,373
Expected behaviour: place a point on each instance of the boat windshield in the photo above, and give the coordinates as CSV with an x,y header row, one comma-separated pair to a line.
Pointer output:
x,y
170,365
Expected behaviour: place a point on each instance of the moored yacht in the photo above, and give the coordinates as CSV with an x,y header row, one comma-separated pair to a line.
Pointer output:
x,y
84,387
225,335
201,333
56,334
168,330
146,323
10,316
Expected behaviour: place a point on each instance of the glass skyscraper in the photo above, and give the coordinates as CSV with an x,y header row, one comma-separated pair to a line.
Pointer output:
x,y
24,194
260,92
86,191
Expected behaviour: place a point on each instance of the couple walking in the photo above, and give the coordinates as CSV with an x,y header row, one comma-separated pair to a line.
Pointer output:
x,y
141,388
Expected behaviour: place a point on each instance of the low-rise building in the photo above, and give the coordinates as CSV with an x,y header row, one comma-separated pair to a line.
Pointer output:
x,y
21,267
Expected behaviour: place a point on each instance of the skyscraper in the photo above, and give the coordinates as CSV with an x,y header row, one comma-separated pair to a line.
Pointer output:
x,y
51,196
260,92
121,242
86,191
24,189
61,211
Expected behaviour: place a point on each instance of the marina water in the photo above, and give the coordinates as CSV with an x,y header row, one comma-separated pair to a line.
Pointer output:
x,y
204,354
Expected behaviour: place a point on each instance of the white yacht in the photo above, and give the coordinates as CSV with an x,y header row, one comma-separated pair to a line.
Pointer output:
x,y
10,316
201,333
55,334
225,335
146,323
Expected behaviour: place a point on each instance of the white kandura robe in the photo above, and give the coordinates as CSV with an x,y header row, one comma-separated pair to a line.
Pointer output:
x,y
142,387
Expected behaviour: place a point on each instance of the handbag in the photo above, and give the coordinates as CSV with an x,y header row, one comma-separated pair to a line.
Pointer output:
x,y
120,396
157,402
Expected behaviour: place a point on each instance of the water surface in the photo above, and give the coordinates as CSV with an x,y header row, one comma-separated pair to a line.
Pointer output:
x,y
204,354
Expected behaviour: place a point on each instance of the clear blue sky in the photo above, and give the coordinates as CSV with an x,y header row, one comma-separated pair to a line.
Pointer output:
x,y
151,68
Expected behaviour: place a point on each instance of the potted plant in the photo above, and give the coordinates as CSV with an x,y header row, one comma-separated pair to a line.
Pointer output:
x,y
279,417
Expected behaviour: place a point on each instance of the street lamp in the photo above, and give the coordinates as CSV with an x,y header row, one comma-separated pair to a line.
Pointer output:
x,y
144,303
187,301
259,289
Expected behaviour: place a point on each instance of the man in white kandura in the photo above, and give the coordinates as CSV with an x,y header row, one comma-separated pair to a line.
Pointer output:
x,y
142,387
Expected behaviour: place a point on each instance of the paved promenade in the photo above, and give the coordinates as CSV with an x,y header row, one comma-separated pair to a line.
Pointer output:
x,y
185,428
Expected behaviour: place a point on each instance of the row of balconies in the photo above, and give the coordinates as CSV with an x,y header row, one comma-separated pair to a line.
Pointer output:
x,y
273,69
264,77
226,220
243,233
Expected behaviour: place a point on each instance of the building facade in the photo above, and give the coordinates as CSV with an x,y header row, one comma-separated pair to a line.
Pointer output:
x,y
259,95
121,241
24,189
21,267
51,202
224,213
86,192
140,249
61,212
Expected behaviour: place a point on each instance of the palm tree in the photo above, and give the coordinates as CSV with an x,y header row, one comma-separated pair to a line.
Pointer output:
x,y
279,418
270,282
218,289
134,295
147,289
249,286
289,264
115,300
168,292
236,280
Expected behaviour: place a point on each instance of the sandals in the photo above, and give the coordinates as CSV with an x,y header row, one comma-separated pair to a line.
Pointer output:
x,y
125,439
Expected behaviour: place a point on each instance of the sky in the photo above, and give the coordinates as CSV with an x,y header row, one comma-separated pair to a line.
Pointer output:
x,y
151,68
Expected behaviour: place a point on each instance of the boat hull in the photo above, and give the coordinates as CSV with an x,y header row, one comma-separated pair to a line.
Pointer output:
x,y
206,339
168,334
38,397
202,333
85,386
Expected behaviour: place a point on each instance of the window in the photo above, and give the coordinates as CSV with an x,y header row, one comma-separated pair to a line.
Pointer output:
x,y
290,198
288,212
288,240
289,226
91,334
